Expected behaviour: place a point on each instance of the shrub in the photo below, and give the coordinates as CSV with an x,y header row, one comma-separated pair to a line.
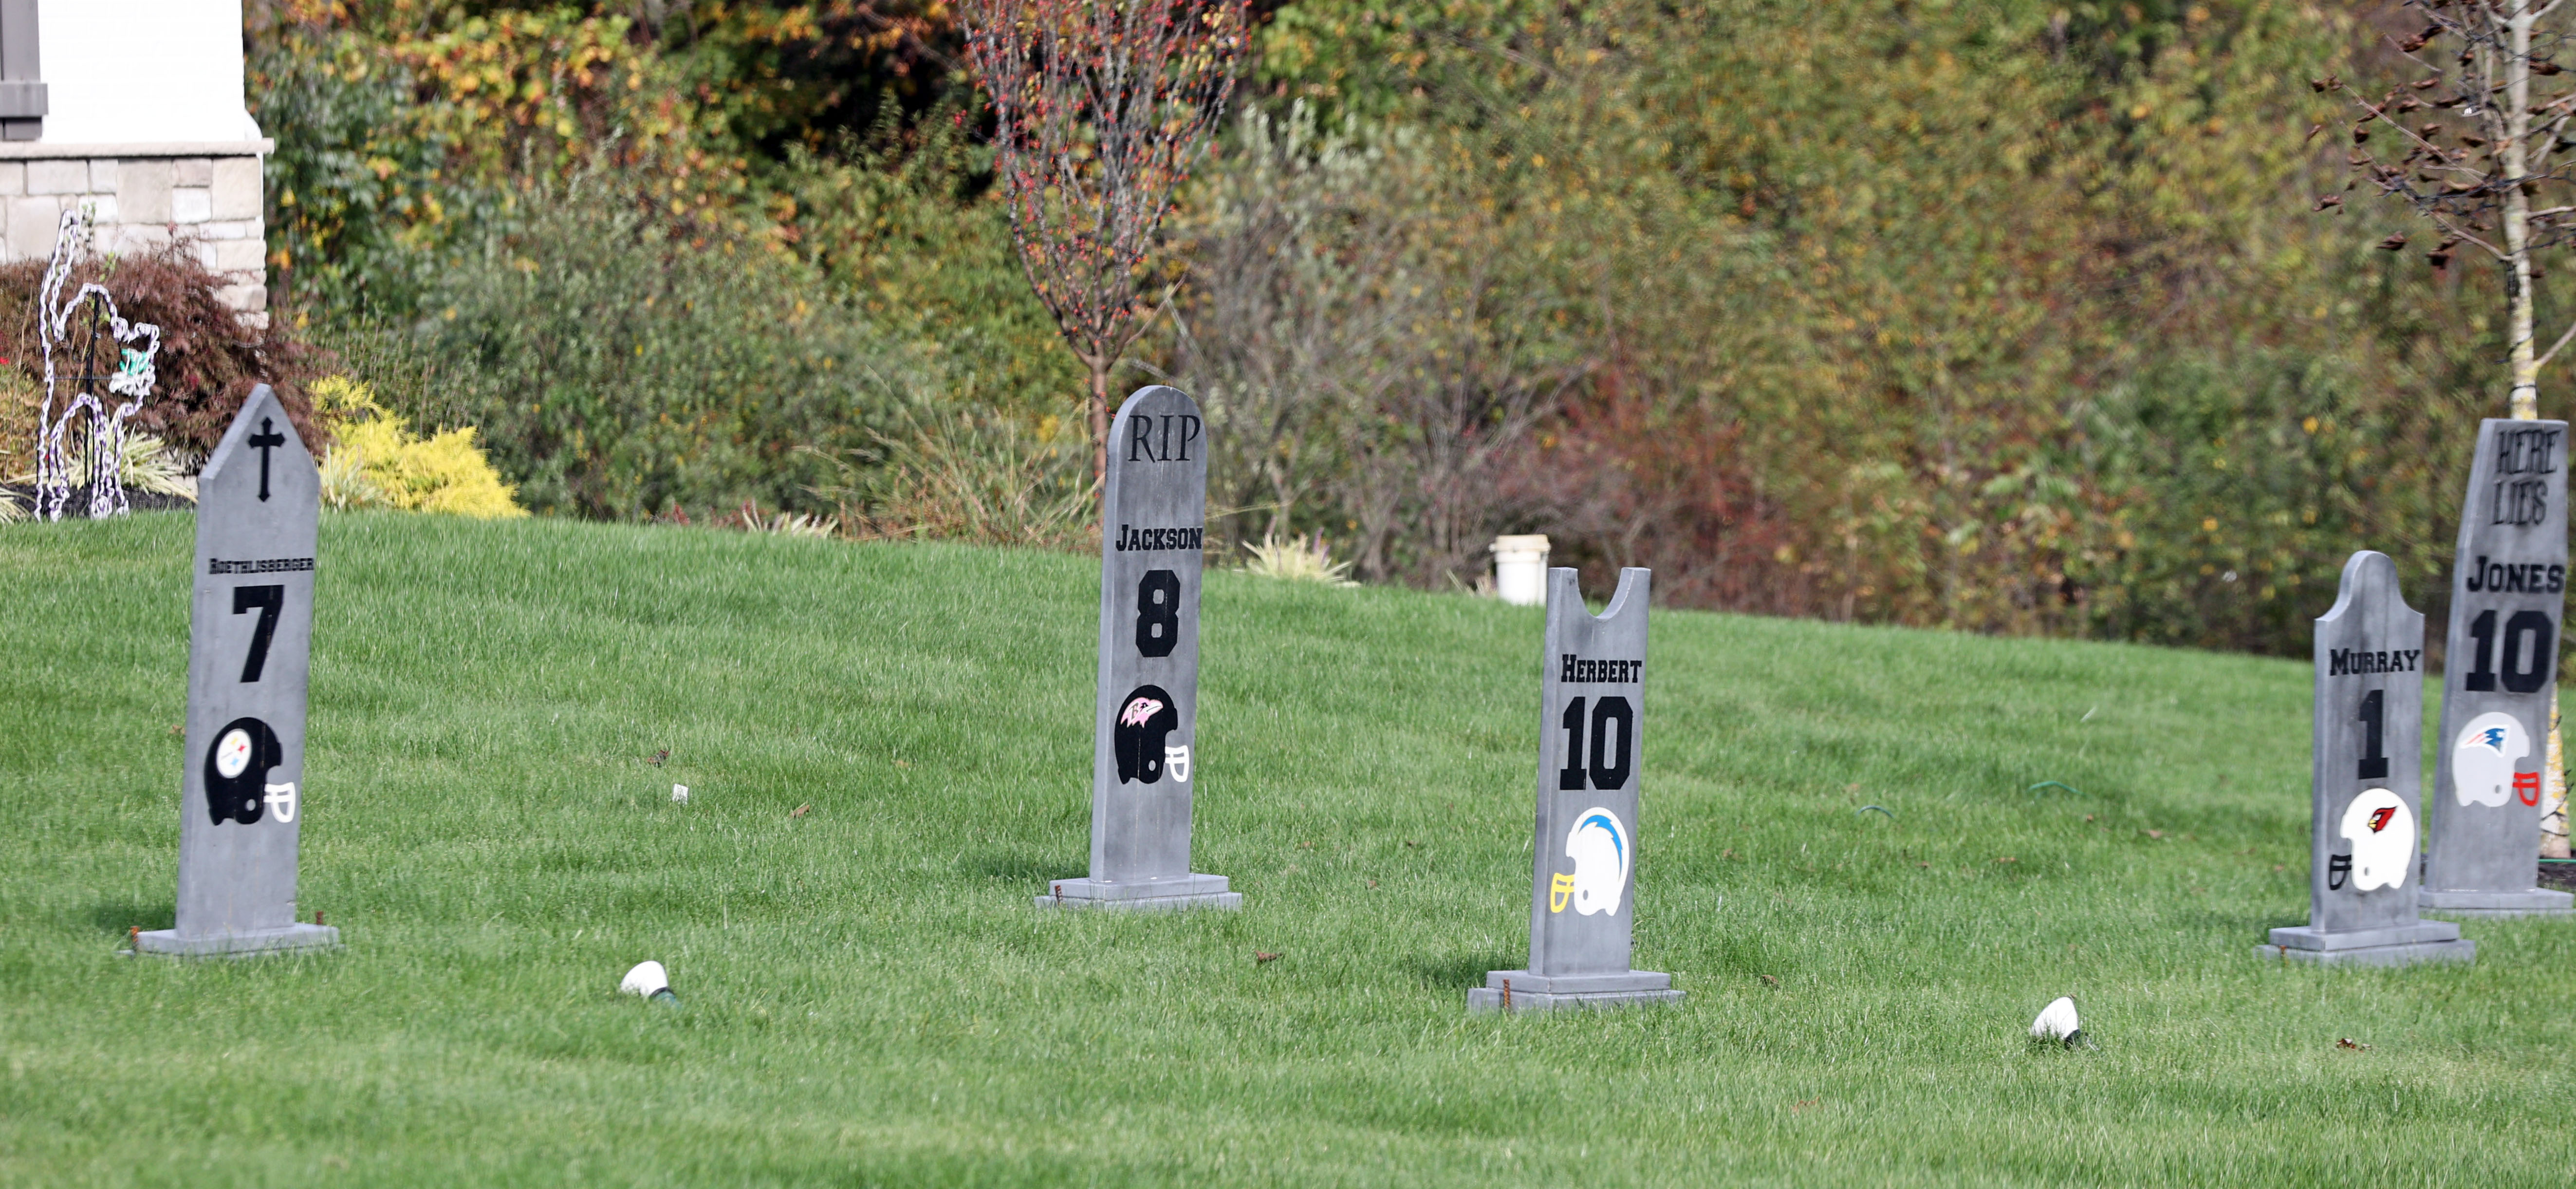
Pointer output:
x,y
210,356
618,369
375,462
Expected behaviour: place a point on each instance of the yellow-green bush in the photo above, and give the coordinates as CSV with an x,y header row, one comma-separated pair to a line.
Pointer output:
x,y
376,463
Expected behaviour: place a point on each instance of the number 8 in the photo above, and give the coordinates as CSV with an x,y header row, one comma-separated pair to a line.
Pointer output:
x,y
1158,613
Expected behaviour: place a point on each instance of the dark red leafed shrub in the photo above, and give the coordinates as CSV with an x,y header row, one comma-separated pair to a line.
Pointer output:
x,y
209,358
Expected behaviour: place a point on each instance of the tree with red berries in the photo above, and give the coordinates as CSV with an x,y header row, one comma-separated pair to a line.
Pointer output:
x,y
1100,107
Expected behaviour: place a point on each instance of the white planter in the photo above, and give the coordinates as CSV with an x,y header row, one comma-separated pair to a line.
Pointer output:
x,y
1520,569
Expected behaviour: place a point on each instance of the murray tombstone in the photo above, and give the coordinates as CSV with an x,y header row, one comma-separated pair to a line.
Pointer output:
x,y
2366,777
1153,520
249,654
2508,601
1591,706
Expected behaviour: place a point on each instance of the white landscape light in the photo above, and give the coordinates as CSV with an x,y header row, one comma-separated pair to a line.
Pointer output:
x,y
649,980
2057,1022
679,794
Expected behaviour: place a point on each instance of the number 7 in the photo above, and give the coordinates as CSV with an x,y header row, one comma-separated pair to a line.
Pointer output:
x,y
269,600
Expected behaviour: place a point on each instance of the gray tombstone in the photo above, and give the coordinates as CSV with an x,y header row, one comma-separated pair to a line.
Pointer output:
x,y
2366,777
1153,519
2508,600
250,638
1582,886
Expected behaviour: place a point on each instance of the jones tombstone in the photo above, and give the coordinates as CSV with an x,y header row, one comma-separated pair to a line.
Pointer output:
x,y
1592,706
1145,721
241,800
2508,601
2365,777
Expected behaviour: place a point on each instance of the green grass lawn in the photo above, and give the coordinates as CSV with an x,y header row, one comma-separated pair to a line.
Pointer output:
x,y
870,999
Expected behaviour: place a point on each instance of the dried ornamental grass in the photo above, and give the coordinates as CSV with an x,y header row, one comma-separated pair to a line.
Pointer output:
x,y
1298,559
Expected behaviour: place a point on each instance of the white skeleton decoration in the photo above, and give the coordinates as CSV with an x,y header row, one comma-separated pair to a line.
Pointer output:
x,y
74,381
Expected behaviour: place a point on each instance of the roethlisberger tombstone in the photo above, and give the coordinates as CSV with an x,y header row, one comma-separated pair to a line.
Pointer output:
x,y
2367,771
1153,518
242,796
1582,902
2508,601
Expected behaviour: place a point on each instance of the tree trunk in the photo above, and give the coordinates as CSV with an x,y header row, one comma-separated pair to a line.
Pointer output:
x,y
2553,804
1099,417
2510,154
2525,404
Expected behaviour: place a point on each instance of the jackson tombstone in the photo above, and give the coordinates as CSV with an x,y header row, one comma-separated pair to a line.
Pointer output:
x,y
1153,525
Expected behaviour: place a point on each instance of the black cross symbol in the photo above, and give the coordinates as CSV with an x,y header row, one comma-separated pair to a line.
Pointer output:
x,y
264,441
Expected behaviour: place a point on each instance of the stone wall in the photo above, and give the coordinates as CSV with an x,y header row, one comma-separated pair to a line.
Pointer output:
x,y
144,196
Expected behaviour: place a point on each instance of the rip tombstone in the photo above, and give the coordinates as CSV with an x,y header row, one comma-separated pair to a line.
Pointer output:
x,y
250,638
1582,902
2366,780
2508,602
1145,714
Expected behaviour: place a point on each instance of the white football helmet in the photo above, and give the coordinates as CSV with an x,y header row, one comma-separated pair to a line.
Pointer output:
x,y
2482,759
2382,835
1599,846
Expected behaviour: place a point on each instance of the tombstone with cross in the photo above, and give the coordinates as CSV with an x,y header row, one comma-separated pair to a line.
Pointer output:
x,y
1583,905
2366,782
1153,525
242,799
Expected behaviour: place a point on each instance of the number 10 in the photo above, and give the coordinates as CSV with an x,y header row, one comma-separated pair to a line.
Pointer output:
x,y
1608,764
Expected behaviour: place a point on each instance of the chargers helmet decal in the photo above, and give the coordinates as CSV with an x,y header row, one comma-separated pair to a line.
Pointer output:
x,y
1602,855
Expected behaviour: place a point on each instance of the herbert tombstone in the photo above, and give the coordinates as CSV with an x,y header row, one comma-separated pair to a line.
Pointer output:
x,y
249,653
1581,902
1153,517
2508,601
2367,771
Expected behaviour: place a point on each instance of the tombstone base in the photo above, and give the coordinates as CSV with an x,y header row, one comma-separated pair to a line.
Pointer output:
x,y
2533,902
168,942
2397,945
1185,891
1519,990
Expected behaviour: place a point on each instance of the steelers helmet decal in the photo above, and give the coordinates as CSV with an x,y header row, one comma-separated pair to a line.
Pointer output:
x,y
237,770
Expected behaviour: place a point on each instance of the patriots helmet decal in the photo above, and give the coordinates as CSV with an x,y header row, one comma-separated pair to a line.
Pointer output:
x,y
2483,758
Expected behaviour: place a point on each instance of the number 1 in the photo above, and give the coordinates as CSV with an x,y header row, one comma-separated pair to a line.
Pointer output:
x,y
2482,675
1572,776
2374,751
269,600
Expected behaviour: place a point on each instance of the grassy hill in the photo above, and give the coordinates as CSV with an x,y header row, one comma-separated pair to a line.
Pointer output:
x,y
869,998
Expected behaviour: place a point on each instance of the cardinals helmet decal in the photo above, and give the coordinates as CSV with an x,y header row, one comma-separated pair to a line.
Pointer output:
x,y
2382,834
